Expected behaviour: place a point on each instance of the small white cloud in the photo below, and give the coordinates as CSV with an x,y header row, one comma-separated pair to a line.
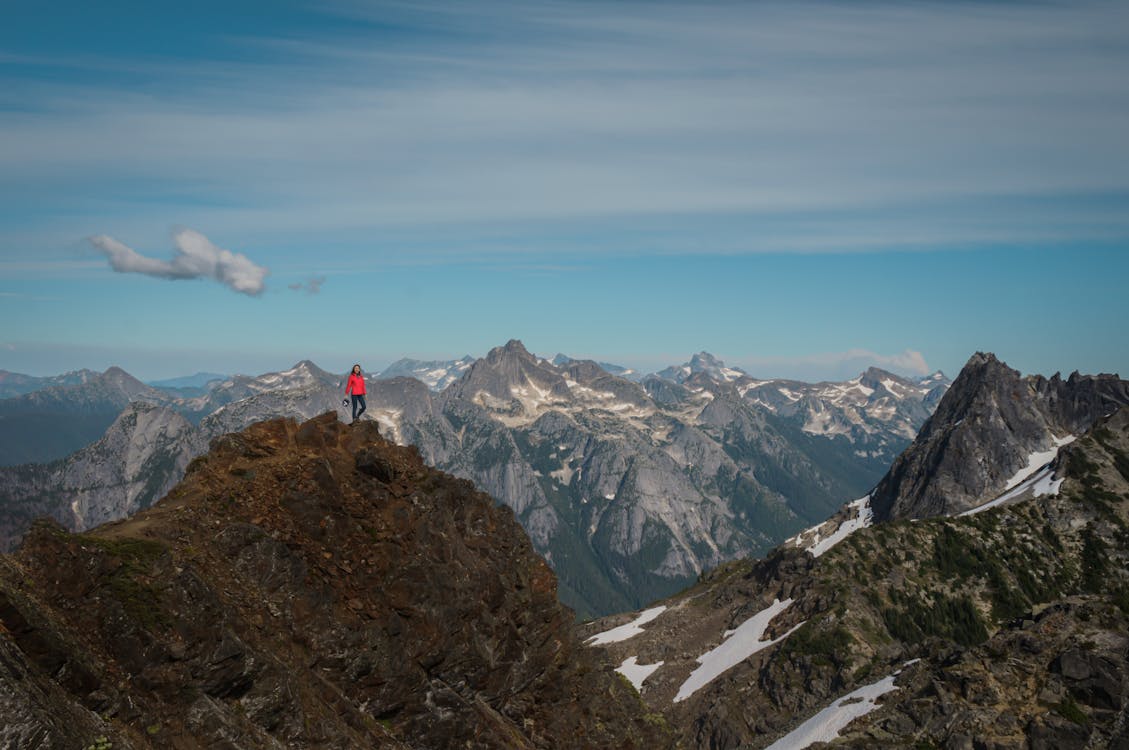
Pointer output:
x,y
196,258
312,285
908,361
836,365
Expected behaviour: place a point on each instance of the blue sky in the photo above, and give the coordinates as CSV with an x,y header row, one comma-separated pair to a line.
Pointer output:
x,y
802,188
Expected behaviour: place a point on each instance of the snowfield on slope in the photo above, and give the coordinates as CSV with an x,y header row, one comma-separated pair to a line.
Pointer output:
x,y
1037,460
1037,478
628,630
826,725
738,645
1038,484
635,672
817,545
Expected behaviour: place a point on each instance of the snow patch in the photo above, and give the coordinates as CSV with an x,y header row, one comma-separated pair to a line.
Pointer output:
x,y
389,421
563,474
821,421
893,388
751,385
1037,460
629,630
1038,484
826,725
738,645
817,545
635,672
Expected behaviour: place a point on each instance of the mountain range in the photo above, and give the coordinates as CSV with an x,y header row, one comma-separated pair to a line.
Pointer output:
x,y
435,374
999,619
315,584
17,384
630,489
67,413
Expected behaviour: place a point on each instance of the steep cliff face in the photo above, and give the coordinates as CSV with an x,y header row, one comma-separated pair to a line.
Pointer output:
x,y
139,458
305,585
986,432
1001,629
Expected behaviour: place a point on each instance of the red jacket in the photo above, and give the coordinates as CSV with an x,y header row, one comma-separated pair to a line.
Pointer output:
x,y
356,385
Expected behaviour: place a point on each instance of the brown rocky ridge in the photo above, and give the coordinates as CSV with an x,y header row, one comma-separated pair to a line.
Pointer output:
x,y
305,586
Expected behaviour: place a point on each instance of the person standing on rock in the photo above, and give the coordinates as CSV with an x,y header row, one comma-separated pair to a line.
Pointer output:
x,y
355,388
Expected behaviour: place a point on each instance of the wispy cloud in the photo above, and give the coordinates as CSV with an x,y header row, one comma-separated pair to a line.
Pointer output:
x,y
195,258
835,365
31,297
927,124
312,285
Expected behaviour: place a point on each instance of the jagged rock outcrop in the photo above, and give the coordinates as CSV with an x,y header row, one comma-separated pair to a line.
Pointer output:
x,y
305,585
1016,615
986,430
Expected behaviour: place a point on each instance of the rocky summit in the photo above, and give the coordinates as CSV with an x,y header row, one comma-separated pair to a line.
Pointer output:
x,y
306,585
991,428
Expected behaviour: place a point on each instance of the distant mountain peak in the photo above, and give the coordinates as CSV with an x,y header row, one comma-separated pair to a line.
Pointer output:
x,y
514,346
309,367
704,359
119,379
877,373
511,350
986,360
702,362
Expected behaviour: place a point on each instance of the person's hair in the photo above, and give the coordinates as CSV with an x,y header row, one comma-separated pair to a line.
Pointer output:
x,y
355,368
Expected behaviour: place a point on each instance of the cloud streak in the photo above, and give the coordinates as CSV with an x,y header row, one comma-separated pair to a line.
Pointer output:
x,y
311,285
195,258
835,365
818,126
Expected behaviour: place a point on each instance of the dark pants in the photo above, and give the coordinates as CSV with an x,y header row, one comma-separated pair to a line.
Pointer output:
x,y
358,399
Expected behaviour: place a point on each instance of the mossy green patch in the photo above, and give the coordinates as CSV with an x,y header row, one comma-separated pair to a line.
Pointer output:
x,y
823,644
1071,711
1095,563
128,584
912,620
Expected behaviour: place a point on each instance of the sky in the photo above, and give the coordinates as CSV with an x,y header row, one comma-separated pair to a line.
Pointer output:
x,y
802,188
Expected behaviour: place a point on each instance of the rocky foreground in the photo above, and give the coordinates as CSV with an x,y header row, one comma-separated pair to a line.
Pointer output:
x,y
305,586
